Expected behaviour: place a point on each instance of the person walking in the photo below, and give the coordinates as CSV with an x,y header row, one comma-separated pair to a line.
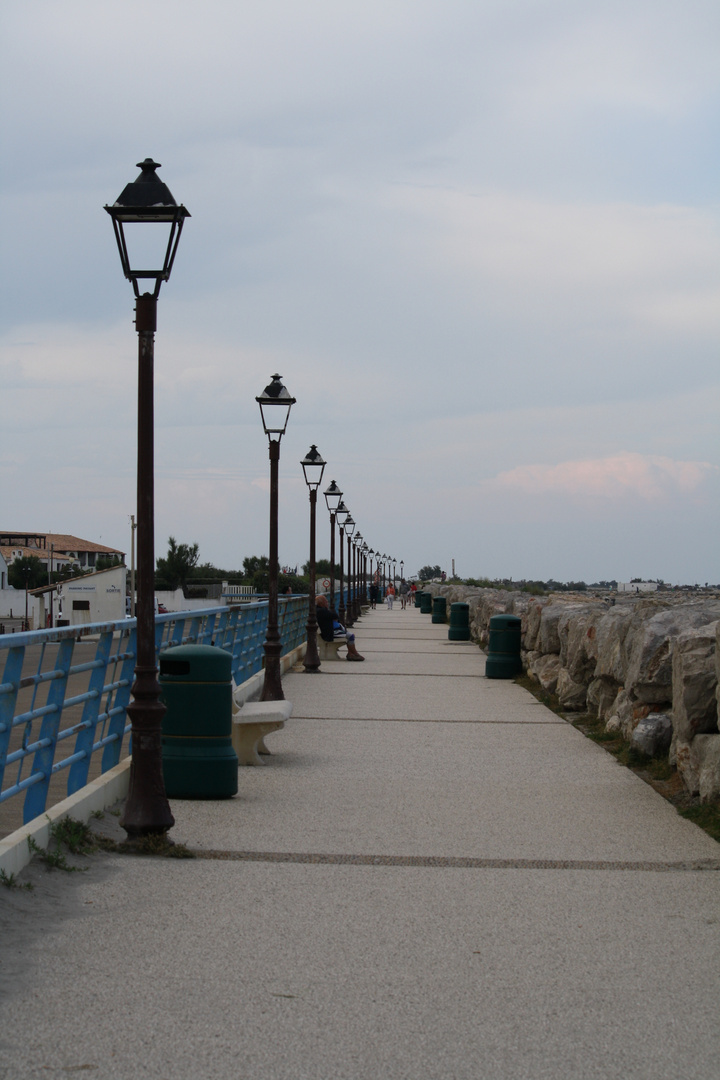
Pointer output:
x,y
404,590
390,595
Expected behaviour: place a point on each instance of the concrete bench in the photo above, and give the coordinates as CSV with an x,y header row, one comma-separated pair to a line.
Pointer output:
x,y
251,723
328,650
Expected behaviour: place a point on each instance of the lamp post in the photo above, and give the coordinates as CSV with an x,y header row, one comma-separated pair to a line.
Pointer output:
x,y
371,554
341,514
357,544
275,404
333,498
349,530
313,466
363,554
145,202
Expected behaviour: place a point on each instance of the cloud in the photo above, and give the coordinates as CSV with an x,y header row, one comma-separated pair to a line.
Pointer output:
x,y
649,477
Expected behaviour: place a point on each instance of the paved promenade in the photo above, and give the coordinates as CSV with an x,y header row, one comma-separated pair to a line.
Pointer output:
x,y
433,877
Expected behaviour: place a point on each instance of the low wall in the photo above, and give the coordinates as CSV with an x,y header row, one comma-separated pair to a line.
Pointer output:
x,y
12,604
643,664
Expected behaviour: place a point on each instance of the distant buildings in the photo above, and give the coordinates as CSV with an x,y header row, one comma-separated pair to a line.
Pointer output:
x,y
59,548
637,586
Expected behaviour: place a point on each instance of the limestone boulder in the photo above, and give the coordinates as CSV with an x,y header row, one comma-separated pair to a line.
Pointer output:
x,y
706,752
694,683
649,656
545,669
572,695
601,693
621,718
699,765
532,624
611,632
577,630
653,734
548,637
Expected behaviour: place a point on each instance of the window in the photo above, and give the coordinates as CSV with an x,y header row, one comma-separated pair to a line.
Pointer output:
x,y
81,605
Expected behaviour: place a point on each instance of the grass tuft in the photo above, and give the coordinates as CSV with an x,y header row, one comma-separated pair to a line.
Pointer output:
x,y
156,844
11,882
706,815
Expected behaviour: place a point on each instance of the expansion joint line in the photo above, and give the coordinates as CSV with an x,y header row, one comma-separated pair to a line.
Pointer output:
x,y
456,862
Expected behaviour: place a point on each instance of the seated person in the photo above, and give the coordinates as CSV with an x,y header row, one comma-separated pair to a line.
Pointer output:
x,y
331,628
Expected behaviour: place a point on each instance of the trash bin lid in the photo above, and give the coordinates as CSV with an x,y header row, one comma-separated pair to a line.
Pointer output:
x,y
195,663
505,622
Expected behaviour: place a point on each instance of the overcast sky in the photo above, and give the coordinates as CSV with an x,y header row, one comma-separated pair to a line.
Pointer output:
x,y
479,239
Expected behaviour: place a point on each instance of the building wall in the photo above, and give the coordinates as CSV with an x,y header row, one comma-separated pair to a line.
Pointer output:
x,y
93,598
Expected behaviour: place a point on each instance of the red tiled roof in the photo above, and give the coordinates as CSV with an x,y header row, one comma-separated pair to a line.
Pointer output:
x,y
60,541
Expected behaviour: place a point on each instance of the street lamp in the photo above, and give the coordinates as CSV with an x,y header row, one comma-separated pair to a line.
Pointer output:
x,y
371,555
146,202
333,498
357,543
275,404
342,513
313,466
349,530
364,552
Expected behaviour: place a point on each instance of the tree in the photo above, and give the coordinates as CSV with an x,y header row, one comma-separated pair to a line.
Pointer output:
x,y
173,571
27,569
323,568
106,562
429,572
255,564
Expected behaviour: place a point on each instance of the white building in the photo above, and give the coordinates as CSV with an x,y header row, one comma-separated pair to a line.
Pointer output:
x,y
637,586
78,601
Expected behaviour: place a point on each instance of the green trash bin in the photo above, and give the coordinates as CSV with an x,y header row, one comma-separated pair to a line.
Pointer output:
x,y
418,597
503,656
439,609
198,757
426,603
459,622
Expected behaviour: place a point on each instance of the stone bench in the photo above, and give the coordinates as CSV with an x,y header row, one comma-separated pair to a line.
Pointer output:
x,y
251,723
328,650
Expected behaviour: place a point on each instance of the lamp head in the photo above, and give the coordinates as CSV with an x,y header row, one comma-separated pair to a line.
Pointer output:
x,y
275,403
313,466
333,497
147,200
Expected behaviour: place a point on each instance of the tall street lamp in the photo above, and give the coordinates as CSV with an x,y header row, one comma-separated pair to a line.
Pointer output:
x,y
146,202
275,404
313,466
357,543
342,513
349,530
333,498
363,573
371,555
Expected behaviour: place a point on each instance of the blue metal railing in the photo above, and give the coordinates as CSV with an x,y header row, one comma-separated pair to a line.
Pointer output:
x,y
56,692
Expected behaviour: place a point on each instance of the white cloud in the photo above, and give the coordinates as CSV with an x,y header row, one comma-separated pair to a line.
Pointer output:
x,y
649,477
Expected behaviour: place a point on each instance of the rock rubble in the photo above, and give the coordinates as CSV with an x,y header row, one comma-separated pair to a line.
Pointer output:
x,y
649,666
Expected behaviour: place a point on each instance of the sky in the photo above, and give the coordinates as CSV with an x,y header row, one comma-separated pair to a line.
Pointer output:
x,y
478,239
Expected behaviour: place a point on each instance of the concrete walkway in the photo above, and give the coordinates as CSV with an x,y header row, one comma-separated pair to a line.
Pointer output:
x,y
434,876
